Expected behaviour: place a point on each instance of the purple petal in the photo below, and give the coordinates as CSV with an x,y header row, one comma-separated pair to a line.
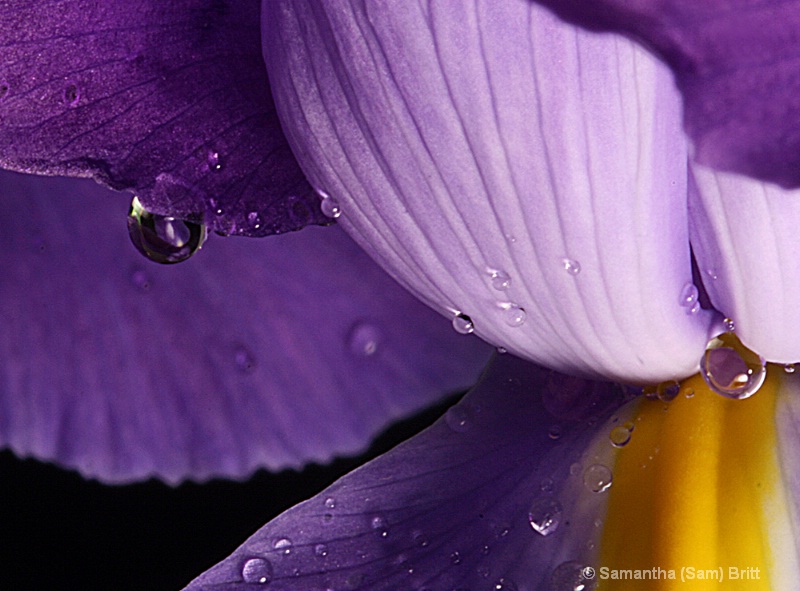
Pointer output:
x,y
449,508
504,166
745,238
169,99
736,63
251,354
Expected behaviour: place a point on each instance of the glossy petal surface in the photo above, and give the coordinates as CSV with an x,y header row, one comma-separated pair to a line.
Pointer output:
x,y
745,238
169,99
737,64
251,354
504,166
448,509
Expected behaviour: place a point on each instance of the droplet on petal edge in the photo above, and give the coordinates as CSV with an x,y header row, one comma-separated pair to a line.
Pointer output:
x,y
163,239
463,324
458,419
731,369
571,266
328,205
257,570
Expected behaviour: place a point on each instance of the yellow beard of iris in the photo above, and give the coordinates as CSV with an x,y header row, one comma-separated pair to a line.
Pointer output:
x,y
698,491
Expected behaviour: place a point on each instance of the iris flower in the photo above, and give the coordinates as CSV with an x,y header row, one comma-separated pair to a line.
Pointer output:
x,y
528,179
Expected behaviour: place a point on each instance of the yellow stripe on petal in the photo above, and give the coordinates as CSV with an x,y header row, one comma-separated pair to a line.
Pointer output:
x,y
698,495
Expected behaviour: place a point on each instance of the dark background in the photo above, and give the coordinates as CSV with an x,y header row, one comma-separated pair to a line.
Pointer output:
x,y
59,531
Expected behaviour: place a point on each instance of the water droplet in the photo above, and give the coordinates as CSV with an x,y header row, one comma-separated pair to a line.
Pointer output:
x,y
458,419
257,570
712,273
689,298
572,576
544,515
547,485
363,339
455,558
730,326
330,503
420,539
619,436
243,358
570,266
283,545
329,206
500,280
163,239
668,391
688,392
486,549
554,432
514,316
379,523
254,220
321,550
501,350
575,469
72,94
463,324
505,585
597,478
213,160
731,369
789,368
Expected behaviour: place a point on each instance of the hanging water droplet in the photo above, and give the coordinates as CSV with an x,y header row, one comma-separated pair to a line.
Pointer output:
x,y
213,160
500,280
573,576
254,220
363,339
243,359
501,350
329,206
283,545
463,324
597,478
789,368
72,94
544,515
731,369
514,316
321,550
554,432
668,391
619,436
257,570
163,239
458,419
571,266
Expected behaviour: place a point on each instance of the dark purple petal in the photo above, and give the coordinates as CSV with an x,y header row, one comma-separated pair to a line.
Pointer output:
x,y
169,99
251,354
737,63
449,508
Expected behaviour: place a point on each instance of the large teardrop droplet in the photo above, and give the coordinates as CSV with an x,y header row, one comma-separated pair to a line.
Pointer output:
x,y
163,239
731,369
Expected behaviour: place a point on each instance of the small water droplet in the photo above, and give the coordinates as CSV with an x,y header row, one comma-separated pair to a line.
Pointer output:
x,y
668,391
619,436
363,339
789,368
571,266
244,359
544,515
575,469
455,558
689,298
458,419
731,369
501,350
330,207
500,280
72,94
330,503
283,545
420,539
321,550
505,584
379,523
572,576
213,160
547,485
514,316
163,239
597,478
254,220
712,273
554,432
486,549
257,570
463,324
729,325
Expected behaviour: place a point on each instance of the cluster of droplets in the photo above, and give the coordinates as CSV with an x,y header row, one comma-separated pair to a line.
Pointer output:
x,y
690,299
163,239
731,369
